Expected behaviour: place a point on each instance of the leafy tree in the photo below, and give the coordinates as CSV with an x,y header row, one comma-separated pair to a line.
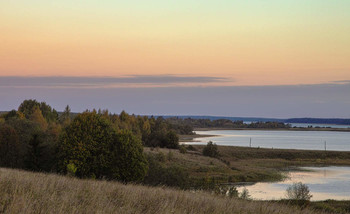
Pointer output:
x,y
127,160
211,150
37,117
28,107
14,114
49,113
298,191
85,143
9,146
25,130
161,135
94,147
171,140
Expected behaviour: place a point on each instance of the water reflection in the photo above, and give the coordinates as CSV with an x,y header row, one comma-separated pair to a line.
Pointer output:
x,y
324,183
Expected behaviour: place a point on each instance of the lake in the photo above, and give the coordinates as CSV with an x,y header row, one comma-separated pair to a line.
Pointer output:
x,y
308,140
324,183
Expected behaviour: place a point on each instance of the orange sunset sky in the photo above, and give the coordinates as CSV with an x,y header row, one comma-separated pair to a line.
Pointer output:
x,y
251,58
250,42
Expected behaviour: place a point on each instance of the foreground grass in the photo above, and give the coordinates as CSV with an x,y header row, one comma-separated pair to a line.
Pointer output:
x,y
27,192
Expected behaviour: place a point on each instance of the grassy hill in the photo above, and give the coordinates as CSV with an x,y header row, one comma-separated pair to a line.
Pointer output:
x,y
27,192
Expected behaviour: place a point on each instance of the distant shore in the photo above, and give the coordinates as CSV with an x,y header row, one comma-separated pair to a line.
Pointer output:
x,y
277,129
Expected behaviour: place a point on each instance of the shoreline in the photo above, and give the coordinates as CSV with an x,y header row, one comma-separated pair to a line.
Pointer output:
x,y
190,138
277,129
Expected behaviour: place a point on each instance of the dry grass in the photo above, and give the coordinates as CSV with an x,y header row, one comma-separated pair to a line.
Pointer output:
x,y
26,192
249,164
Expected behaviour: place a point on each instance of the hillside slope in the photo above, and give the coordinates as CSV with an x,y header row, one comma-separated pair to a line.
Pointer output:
x,y
26,192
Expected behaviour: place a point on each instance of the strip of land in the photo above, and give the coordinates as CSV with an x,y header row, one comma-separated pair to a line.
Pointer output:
x,y
277,129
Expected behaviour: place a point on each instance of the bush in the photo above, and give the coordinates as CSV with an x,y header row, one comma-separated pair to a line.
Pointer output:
x,y
183,149
298,191
71,169
244,194
191,148
211,150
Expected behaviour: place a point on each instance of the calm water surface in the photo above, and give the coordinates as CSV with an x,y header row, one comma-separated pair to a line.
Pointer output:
x,y
324,183
309,140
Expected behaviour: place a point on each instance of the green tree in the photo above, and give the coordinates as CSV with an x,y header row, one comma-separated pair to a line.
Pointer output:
x,y
128,162
37,117
28,107
171,140
49,113
94,147
85,144
14,114
9,146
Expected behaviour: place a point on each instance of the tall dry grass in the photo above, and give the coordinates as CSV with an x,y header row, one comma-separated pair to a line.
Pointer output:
x,y
27,192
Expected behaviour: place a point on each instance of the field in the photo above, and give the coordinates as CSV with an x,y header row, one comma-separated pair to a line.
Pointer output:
x,y
27,192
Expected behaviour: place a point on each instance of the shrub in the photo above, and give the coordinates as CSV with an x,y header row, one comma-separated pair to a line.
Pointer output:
x,y
298,191
191,148
71,169
211,150
183,149
244,194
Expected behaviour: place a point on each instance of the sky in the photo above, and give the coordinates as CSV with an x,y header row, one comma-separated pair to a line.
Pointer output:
x,y
268,58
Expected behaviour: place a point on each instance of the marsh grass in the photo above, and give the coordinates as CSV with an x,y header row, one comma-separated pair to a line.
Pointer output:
x,y
27,192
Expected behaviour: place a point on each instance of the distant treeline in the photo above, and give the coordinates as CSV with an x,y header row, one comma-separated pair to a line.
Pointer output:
x,y
319,121
223,123
90,144
333,121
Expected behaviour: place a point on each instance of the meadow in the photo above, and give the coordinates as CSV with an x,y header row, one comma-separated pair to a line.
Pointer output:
x,y
28,192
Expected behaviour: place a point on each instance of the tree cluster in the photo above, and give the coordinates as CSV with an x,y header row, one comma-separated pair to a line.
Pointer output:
x,y
94,144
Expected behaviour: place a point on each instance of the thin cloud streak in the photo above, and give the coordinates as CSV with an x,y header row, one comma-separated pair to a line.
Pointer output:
x,y
108,82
